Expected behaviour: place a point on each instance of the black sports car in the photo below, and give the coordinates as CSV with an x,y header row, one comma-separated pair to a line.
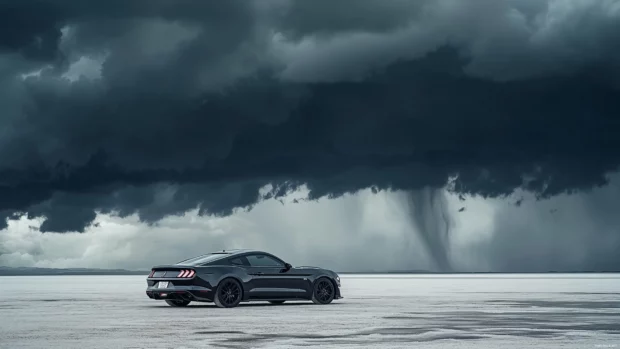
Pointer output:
x,y
233,276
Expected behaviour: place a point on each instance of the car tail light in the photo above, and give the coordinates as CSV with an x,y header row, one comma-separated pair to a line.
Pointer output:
x,y
186,273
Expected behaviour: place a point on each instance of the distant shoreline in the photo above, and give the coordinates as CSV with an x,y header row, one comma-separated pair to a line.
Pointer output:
x,y
26,271
478,272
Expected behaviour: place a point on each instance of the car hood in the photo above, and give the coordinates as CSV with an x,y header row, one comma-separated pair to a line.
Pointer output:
x,y
308,267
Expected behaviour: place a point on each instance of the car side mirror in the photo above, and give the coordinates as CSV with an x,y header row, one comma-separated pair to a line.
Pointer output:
x,y
287,267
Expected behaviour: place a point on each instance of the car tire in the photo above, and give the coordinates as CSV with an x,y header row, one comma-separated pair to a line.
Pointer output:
x,y
276,302
177,303
323,291
228,293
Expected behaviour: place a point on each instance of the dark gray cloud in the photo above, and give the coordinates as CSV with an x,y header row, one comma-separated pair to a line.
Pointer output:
x,y
215,100
568,233
352,233
361,232
29,23
323,18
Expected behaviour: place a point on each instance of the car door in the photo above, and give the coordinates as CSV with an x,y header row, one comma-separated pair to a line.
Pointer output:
x,y
256,286
298,279
269,278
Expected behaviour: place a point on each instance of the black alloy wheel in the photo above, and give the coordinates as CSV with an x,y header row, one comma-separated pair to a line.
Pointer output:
x,y
324,291
228,293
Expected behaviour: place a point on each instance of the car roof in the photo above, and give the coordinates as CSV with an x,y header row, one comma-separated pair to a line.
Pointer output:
x,y
237,251
223,254
226,254
243,251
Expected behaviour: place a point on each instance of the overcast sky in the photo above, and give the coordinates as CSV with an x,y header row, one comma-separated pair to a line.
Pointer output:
x,y
130,130
362,232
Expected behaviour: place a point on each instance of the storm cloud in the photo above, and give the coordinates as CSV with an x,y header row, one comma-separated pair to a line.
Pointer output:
x,y
148,108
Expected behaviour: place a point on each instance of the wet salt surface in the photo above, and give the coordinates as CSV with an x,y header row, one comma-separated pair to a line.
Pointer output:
x,y
378,311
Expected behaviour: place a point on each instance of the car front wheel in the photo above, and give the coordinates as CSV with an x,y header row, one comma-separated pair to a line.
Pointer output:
x,y
324,291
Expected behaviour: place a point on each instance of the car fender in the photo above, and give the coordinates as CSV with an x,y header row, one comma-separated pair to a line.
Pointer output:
x,y
243,279
325,275
329,275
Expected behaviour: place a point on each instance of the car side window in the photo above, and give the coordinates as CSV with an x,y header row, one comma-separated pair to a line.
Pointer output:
x,y
260,260
239,261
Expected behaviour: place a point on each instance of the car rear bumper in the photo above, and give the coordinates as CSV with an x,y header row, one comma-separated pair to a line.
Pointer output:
x,y
189,293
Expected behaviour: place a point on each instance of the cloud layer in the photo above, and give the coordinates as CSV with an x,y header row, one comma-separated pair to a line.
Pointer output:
x,y
362,232
146,108
351,233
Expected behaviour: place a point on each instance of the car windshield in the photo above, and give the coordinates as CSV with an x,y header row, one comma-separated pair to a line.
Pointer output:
x,y
202,259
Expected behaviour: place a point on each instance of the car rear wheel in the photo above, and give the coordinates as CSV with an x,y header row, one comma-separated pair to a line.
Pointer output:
x,y
324,291
177,303
276,302
228,293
